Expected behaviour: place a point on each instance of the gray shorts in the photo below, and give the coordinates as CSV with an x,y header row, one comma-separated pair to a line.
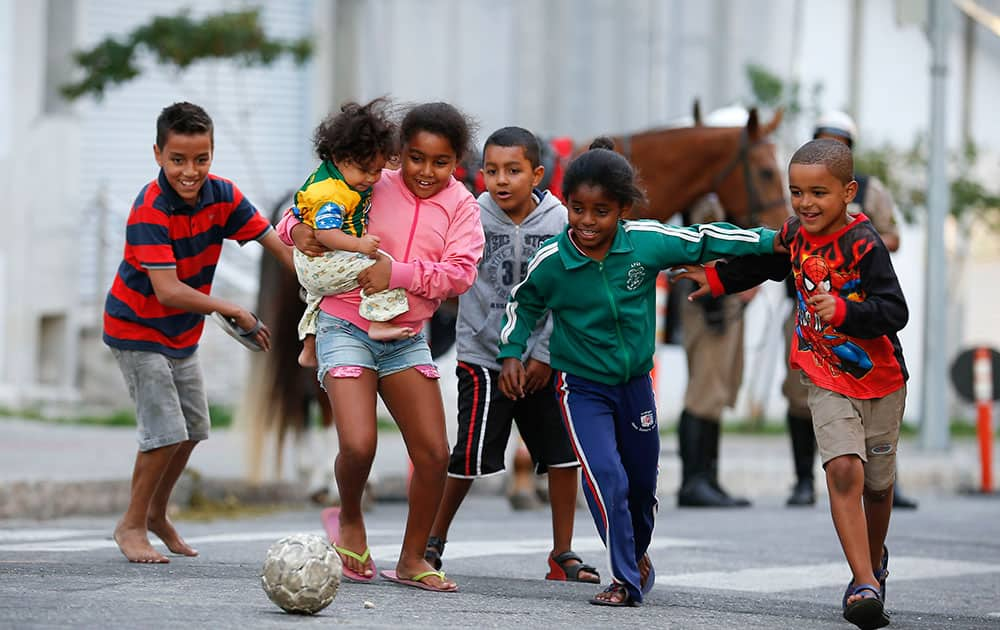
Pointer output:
x,y
169,395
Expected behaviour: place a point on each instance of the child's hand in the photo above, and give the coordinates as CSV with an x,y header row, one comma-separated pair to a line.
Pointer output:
x,y
779,246
305,240
247,320
749,294
537,375
823,304
512,379
369,245
376,277
691,272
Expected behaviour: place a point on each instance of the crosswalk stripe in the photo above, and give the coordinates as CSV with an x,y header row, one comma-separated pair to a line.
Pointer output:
x,y
456,550
759,579
55,544
23,535
791,578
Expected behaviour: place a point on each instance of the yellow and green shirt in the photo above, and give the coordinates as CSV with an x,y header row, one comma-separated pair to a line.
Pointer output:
x,y
326,202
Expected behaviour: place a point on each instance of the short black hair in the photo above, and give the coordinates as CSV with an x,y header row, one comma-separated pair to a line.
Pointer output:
x,y
442,119
184,118
833,154
516,137
359,133
602,166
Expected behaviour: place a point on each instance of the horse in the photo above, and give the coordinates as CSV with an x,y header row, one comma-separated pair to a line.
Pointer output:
x,y
677,166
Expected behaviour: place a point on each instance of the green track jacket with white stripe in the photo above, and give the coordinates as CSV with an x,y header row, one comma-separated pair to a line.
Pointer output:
x,y
604,312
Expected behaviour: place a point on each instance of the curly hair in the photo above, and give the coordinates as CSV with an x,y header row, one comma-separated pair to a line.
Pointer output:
x,y
360,133
601,166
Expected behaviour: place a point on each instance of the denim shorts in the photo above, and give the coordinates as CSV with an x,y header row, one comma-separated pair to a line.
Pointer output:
x,y
342,348
169,394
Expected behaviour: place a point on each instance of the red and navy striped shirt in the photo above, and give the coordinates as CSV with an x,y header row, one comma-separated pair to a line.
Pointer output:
x,y
164,232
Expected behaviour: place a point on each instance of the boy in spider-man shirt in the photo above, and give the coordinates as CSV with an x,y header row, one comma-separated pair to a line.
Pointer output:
x,y
850,307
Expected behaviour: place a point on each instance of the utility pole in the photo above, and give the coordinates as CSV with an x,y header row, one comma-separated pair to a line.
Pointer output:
x,y
934,423
854,61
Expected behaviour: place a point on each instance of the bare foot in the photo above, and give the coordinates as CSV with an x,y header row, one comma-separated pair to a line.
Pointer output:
x,y
164,529
381,331
307,358
135,546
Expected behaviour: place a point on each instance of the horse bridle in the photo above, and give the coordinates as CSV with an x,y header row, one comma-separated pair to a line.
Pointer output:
x,y
757,206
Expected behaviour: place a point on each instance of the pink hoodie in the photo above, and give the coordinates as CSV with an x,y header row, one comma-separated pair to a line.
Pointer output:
x,y
436,243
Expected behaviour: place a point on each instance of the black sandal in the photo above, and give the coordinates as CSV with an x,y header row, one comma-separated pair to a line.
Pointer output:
x,y
560,571
434,551
617,589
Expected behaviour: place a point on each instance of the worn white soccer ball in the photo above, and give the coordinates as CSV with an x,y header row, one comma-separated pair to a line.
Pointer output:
x,y
301,573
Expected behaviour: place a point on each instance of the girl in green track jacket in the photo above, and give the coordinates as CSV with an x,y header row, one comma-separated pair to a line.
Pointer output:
x,y
598,278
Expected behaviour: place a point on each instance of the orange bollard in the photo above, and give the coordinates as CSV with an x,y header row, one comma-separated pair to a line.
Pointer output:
x,y
662,293
982,384
652,376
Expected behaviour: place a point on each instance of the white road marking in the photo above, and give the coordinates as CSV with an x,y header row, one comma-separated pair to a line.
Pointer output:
x,y
49,544
760,579
791,578
7,535
524,546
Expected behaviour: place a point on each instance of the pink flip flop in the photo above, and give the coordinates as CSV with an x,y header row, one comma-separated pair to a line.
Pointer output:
x,y
331,523
416,582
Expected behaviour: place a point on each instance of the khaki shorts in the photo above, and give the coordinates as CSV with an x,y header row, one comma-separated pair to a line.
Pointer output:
x,y
715,360
868,428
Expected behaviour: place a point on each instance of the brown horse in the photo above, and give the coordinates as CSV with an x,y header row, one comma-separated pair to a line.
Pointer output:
x,y
677,166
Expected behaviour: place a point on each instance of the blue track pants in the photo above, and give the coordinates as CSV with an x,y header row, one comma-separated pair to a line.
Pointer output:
x,y
615,434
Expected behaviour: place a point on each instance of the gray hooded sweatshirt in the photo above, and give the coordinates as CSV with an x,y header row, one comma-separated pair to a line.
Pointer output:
x,y
508,249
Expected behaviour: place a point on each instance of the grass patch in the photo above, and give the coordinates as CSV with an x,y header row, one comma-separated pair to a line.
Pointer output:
x,y
957,429
222,416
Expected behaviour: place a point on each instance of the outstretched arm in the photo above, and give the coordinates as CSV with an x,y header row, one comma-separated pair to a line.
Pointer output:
x,y
702,243
733,276
171,292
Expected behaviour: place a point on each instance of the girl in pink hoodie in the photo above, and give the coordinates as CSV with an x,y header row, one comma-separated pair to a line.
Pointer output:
x,y
429,225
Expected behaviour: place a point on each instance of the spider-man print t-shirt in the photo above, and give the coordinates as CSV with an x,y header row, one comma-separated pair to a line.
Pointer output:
x,y
857,353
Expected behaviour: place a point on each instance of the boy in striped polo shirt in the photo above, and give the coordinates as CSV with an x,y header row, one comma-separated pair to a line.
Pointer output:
x,y
154,314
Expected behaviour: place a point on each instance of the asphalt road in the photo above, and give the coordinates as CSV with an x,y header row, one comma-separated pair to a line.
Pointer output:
x,y
765,567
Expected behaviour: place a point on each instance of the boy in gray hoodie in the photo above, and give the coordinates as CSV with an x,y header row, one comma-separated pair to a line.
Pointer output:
x,y
517,218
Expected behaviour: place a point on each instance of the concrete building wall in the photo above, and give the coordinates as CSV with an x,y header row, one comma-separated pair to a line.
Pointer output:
x,y
39,211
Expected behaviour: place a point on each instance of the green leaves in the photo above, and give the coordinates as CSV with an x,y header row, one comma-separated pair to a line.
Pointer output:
x,y
180,41
905,173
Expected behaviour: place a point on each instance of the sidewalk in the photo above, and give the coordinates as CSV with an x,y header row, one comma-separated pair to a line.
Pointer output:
x,y
50,470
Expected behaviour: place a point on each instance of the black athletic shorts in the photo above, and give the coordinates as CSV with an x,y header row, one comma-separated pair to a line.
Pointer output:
x,y
484,421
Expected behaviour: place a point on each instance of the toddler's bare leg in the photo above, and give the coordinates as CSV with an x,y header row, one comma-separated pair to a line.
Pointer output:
x,y
307,358
384,331
156,517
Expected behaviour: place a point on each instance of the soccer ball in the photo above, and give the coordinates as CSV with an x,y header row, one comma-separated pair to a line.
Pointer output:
x,y
301,573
